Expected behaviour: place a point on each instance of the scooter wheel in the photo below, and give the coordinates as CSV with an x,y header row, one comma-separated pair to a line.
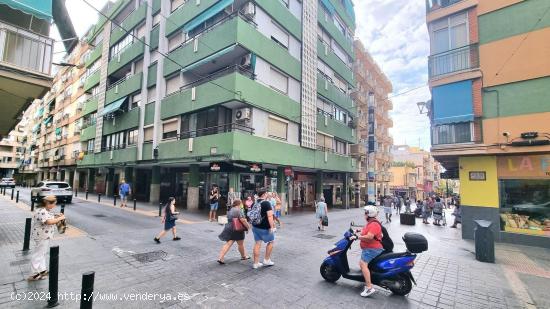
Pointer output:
x,y
402,286
329,273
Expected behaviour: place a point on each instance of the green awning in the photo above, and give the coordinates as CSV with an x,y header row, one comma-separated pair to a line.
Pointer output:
x,y
113,107
58,131
36,127
48,120
38,8
39,113
209,58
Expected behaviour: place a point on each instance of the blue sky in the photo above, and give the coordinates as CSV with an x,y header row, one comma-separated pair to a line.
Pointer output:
x,y
394,32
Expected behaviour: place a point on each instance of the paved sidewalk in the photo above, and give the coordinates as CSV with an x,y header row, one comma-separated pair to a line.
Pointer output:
x,y
127,262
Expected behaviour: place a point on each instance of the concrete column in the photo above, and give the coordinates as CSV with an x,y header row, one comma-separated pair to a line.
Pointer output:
x,y
90,182
345,189
319,185
154,196
109,182
281,188
193,189
76,179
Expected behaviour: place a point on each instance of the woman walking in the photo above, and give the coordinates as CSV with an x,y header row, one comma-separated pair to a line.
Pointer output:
x,y
438,211
44,226
169,220
231,234
457,213
321,211
426,210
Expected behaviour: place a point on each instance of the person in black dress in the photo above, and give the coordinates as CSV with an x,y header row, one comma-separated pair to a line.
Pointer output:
x,y
169,220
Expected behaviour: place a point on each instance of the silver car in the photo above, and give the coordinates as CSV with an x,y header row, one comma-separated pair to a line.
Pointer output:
x,y
62,191
7,182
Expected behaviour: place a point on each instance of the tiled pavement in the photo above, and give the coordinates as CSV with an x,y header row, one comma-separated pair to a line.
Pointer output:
x,y
126,261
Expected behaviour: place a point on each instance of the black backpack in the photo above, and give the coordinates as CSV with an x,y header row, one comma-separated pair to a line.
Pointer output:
x,y
386,241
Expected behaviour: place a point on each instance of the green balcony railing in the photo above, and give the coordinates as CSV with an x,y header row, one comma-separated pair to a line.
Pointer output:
x,y
95,54
333,94
122,121
126,56
129,23
123,88
336,128
118,156
90,106
87,133
329,26
185,13
92,80
329,57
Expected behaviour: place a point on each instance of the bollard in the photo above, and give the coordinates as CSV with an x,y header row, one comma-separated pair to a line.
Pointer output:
x,y
76,192
4,191
53,276
86,194
27,239
12,189
134,204
32,204
63,208
87,291
160,209
17,197
99,197
114,200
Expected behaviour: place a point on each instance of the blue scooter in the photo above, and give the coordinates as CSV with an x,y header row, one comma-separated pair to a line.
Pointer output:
x,y
389,270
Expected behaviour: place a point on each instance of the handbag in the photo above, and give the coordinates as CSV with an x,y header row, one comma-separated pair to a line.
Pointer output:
x,y
325,221
238,225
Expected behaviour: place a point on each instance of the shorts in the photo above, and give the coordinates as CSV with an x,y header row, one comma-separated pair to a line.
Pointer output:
x,y
387,210
369,254
263,235
124,197
277,213
214,206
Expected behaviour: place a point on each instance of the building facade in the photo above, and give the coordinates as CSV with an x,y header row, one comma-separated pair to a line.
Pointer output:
x,y
416,173
489,74
371,97
184,95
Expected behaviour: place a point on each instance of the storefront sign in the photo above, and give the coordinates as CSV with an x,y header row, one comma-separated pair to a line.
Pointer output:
x,y
478,176
288,171
215,167
524,166
255,168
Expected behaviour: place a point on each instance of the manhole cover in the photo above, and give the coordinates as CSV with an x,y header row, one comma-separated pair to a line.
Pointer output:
x,y
19,262
100,216
324,236
148,257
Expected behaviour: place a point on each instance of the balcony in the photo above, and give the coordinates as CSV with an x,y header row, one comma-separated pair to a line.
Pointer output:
x,y
123,87
358,150
94,55
336,128
125,56
117,156
454,61
129,23
90,105
334,94
92,80
329,57
123,121
432,5
87,133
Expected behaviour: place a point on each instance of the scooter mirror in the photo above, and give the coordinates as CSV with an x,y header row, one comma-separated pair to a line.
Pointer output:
x,y
352,223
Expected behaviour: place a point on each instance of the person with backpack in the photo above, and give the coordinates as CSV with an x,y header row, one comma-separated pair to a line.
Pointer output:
x,y
371,246
123,191
263,228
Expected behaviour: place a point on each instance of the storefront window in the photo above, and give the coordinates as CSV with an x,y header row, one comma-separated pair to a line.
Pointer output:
x,y
525,206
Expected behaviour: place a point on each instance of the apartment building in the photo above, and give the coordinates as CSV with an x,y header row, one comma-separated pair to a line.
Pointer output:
x,y
489,73
416,173
240,94
371,97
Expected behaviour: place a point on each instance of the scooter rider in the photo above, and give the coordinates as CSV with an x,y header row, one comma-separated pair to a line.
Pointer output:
x,y
371,247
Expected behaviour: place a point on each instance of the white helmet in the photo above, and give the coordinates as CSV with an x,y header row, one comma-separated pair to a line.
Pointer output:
x,y
371,211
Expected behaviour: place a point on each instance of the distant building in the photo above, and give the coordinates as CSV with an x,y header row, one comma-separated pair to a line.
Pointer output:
x,y
415,172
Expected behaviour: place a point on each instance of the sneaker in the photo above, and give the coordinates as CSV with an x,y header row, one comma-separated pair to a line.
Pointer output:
x,y
44,273
177,238
256,266
368,292
268,262
157,240
35,277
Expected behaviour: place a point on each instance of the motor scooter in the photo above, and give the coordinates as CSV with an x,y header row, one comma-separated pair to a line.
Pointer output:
x,y
389,270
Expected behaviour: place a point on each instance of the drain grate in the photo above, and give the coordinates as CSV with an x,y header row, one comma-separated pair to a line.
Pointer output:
x,y
19,262
100,216
324,236
151,256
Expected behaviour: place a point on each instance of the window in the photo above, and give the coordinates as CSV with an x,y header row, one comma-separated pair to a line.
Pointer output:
x,y
173,84
140,31
90,145
339,24
148,134
340,115
452,133
285,2
95,90
277,128
135,101
156,19
132,137
340,147
449,33
120,46
138,66
152,94
324,142
170,129
175,41
340,83
340,53
325,108
278,81
175,4
279,35
114,141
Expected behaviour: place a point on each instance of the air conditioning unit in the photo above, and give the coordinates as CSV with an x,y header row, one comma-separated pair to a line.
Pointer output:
x,y
66,115
249,10
246,60
242,114
58,137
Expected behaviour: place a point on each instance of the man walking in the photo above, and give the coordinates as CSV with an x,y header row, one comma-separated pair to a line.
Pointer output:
x,y
263,229
123,191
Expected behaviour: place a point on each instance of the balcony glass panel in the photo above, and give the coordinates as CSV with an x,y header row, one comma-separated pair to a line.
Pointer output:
x,y
452,61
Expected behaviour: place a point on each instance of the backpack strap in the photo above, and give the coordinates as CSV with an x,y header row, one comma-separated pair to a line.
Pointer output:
x,y
375,236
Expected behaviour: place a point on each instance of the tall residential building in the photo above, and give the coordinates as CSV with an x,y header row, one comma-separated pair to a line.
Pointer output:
x,y
489,73
371,97
415,172
240,94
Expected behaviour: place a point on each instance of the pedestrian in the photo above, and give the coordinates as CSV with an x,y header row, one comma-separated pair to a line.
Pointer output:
x,y
248,204
437,211
214,197
123,191
388,201
371,246
278,209
264,231
44,226
395,202
408,205
426,210
231,197
399,204
232,232
321,211
169,220
457,213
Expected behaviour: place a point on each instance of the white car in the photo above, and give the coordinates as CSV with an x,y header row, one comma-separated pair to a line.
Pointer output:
x,y
62,191
7,182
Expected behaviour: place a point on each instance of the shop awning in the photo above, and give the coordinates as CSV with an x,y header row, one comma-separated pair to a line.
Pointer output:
x,y
452,103
207,14
330,8
58,131
209,58
36,127
48,120
113,107
38,8
39,113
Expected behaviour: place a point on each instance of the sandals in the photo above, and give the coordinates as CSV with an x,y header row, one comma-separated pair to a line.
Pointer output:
x,y
36,277
244,258
157,240
221,262
177,238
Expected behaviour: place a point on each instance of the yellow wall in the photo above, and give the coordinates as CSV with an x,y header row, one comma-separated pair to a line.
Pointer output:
x,y
479,193
398,173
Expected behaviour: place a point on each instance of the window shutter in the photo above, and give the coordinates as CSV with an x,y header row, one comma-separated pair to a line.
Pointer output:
x,y
279,81
148,134
280,35
277,129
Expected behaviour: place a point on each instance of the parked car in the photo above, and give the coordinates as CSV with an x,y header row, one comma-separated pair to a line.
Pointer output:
x,y
7,182
62,191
